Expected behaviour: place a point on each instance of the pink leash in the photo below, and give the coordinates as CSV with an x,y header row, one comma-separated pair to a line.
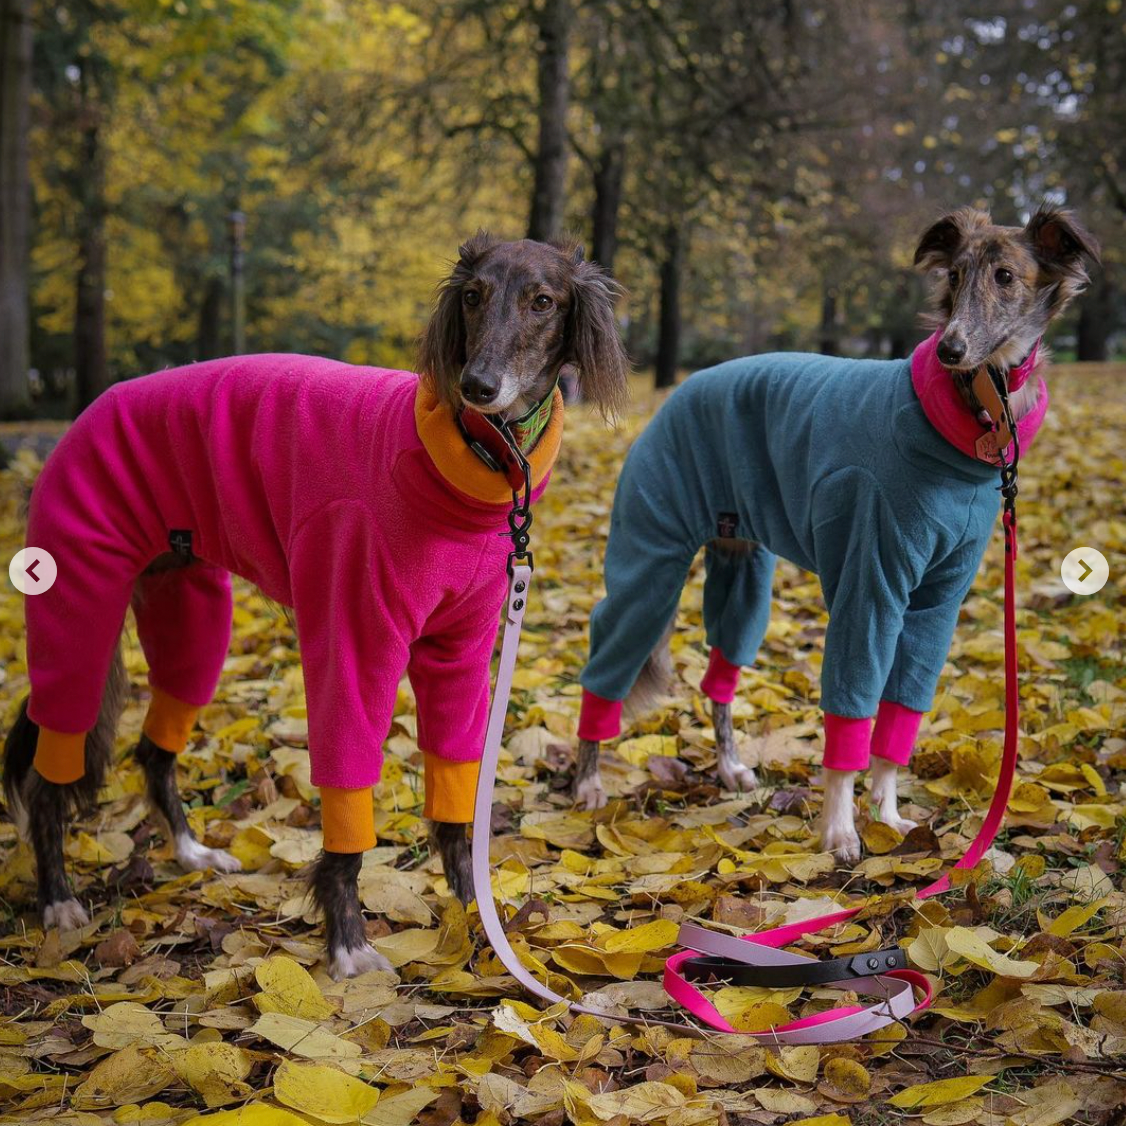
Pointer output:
x,y
893,988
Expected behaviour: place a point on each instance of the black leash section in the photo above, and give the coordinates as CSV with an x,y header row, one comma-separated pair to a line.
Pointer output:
x,y
723,970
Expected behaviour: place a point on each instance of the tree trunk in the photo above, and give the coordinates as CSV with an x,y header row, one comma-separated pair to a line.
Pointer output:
x,y
90,366
15,205
1096,321
668,335
210,321
549,190
829,345
607,202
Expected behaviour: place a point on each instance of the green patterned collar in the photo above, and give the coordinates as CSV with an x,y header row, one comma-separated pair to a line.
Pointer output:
x,y
526,430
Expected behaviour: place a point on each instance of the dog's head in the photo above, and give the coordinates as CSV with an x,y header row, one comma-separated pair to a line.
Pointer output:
x,y
1001,286
510,315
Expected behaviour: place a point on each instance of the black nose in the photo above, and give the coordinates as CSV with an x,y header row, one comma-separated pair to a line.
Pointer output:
x,y
476,390
951,351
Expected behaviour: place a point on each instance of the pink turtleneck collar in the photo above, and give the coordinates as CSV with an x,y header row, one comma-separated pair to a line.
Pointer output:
x,y
948,413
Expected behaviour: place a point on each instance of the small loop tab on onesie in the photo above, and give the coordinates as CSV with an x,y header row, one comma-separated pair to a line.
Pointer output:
x,y
59,756
450,787
169,721
348,819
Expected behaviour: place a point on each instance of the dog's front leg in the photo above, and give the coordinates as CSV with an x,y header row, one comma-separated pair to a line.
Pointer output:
x,y
334,884
453,846
885,795
838,816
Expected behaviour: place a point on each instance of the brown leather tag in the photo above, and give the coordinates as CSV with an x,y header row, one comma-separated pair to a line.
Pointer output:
x,y
989,445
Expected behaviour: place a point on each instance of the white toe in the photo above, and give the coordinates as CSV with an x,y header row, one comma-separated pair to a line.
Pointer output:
x,y
589,794
350,963
67,915
195,857
900,824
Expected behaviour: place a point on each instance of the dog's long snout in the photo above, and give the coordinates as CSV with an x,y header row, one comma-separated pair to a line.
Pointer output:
x,y
951,349
479,388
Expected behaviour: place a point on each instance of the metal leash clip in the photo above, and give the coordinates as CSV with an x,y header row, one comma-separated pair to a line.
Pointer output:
x,y
520,515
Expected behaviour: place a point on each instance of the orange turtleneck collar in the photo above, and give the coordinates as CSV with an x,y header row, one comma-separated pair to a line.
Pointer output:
x,y
461,467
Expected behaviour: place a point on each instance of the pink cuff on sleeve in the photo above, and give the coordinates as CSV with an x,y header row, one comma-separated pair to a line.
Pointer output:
x,y
599,719
847,742
895,733
721,680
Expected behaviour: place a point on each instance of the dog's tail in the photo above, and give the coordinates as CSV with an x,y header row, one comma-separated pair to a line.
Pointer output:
x,y
654,682
23,786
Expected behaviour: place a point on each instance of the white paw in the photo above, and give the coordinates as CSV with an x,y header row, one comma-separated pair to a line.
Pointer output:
x,y
842,841
589,794
67,915
736,776
195,857
351,963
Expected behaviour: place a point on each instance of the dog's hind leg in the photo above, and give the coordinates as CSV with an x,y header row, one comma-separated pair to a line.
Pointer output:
x,y
183,612
163,794
737,590
645,570
588,790
733,772
653,682
43,809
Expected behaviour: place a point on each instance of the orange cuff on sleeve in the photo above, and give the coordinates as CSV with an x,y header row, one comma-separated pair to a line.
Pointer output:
x,y
450,789
169,721
348,819
59,756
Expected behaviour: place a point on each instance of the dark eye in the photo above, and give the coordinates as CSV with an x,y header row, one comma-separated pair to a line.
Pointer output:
x,y
542,303
471,298
952,278
1003,277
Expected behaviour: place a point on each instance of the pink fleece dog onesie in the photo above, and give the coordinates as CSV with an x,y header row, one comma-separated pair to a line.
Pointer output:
x,y
347,493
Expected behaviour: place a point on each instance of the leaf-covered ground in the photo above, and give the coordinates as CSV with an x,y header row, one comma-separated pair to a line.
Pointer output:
x,y
200,995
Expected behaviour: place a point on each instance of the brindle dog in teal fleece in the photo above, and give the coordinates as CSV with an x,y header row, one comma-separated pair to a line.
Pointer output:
x,y
865,472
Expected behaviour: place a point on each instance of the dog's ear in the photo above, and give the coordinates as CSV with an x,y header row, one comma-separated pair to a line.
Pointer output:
x,y
940,242
1062,245
473,249
441,351
593,343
